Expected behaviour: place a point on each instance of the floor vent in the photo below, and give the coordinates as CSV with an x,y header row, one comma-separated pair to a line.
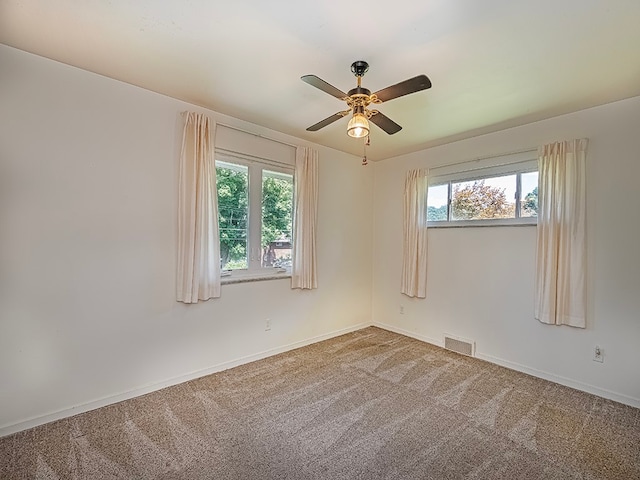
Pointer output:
x,y
460,345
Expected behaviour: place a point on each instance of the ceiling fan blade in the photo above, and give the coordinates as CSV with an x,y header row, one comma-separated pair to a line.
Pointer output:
x,y
384,122
415,84
324,86
327,121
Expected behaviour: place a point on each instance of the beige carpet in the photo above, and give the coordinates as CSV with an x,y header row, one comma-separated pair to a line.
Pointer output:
x,y
367,405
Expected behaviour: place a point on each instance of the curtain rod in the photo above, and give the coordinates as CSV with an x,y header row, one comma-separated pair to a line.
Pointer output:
x,y
256,135
515,152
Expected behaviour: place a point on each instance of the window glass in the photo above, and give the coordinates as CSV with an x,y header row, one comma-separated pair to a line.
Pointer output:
x,y
499,190
232,182
277,207
529,195
484,199
437,201
255,213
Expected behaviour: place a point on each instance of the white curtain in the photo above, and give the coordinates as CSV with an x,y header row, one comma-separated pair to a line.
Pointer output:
x,y
305,219
561,287
198,276
414,246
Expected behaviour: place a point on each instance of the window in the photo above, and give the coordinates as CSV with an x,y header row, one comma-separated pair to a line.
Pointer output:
x,y
490,195
255,206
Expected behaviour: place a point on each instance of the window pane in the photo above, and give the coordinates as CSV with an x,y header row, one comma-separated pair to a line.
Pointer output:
x,y
233,200
529,199
277,207
481,199
437,202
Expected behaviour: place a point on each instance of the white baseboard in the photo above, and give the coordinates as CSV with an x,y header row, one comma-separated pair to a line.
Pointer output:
x,y
567,382
407,333
111,399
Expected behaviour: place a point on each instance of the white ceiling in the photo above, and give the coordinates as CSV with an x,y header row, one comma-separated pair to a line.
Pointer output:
x,y
493,63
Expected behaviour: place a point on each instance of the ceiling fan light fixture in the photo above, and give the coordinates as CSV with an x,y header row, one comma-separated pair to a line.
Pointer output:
x,y
358,126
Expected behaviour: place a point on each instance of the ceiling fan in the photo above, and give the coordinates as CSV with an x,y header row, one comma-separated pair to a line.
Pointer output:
x,y
358,100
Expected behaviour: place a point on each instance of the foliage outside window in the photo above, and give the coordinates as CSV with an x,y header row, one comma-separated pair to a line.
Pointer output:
x,y
233,213
255,204
277,219
480,198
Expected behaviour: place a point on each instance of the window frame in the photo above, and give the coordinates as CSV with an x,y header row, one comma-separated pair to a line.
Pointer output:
x,y
482,169
255,167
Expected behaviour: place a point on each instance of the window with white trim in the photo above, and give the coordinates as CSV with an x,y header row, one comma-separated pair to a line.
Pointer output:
x,y
255,213
492,191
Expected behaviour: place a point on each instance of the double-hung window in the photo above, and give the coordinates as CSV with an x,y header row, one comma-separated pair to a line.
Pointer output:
x,y
492,191
255,214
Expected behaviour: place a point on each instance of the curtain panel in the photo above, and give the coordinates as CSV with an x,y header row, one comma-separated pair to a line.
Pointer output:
x,y
414,245
198,275
305,220
560,284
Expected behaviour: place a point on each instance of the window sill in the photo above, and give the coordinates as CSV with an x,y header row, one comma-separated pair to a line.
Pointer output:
x,y
484,223
258,277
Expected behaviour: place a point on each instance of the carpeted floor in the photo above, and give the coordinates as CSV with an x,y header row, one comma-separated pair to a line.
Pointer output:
x,y
367,405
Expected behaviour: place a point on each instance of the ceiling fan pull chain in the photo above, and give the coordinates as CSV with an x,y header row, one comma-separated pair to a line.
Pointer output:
x,y
367,142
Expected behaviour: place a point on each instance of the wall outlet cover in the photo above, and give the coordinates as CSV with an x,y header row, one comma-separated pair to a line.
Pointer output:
x,y
598,354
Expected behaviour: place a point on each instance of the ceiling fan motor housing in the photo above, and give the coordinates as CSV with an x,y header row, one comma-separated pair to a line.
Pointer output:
x,y
359,91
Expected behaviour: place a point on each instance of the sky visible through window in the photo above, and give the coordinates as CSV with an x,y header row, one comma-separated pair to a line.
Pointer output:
x,y
438,196
529,182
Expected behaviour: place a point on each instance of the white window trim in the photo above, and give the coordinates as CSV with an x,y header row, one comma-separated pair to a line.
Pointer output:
x,y
237,277
255,165
496,222
488,167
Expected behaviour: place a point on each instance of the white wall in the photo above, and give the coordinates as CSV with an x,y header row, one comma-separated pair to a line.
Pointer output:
x,y
480,280
88,202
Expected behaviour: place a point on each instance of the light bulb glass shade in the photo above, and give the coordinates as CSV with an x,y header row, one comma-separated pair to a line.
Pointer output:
x,y
358,126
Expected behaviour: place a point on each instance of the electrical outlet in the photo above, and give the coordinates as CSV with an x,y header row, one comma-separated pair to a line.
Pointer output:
x,y
598,354
401,309
267,325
